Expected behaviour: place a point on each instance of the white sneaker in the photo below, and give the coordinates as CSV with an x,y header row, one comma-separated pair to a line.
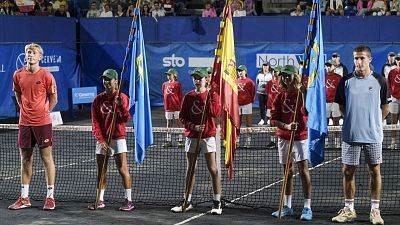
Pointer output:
x,y
217,208
261,122
393,146
178,208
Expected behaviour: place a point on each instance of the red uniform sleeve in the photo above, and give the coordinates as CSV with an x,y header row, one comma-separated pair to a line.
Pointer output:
x,y
51,87
214,108
252,91
275,110
163,89
16,86
96,129
180,95
123,115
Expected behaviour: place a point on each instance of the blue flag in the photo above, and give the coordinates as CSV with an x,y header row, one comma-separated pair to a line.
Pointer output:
x,y
316,97
139,92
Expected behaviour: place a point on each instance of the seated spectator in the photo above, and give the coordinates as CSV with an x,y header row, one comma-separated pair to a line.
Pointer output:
x,y
169,7
129,11
107,11
102,3
250,7
50,10
58,3
298,11
93,12
7,8
42,11
218,5
364,7
378,8
120,10
240,11
334,8
209,11
235,5
157,11
114,6
145,10
61,12
395,7
350,8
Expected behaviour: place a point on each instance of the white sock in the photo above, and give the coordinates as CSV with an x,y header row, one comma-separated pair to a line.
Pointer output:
x,y
101,194
128,194
287,200
168,137
307,203
374,204
24,190
180,137
393,141
349,203
217,197
50,191
189,197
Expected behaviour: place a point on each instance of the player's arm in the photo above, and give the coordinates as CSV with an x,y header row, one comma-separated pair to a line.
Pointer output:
x,y
53,99
18,98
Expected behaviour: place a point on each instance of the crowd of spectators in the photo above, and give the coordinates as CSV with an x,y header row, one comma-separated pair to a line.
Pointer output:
x,y
160,8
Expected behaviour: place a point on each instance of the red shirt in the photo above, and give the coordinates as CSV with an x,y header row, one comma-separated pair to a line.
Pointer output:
x,y
191,112
394,82
102,109
34,89
172,92
272,89
283,110
246,91
331,84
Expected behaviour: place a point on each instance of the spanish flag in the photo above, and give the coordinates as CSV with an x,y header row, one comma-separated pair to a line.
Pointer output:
x,y
225,77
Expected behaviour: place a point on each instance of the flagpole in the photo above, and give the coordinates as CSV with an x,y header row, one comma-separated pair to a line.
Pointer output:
x,y
292,134
103,172
217,59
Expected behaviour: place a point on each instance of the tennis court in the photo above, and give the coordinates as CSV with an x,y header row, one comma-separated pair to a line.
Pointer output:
x,y
158,184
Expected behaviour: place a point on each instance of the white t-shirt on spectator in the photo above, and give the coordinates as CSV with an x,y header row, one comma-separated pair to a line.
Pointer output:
x,y
106,14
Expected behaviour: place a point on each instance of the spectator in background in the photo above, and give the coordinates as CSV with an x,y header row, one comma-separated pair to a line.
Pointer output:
x,y
157,11
340,68
350,7
129,11
61,12
145,10
389,65
395,7
93,12
378,8
209,11
42,10
363,7
120,10
114,6
50,10
169,7
334,8
218,5
298,11
235,5
250,8
240,11
7,8
107,11
58,3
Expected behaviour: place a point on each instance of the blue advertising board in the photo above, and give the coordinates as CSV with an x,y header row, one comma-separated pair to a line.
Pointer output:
x,y
83,95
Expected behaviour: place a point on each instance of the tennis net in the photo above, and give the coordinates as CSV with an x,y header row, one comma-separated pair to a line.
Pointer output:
x,y
160,179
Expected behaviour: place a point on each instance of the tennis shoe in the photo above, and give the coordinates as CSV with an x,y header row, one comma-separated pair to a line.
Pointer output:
x,y
345,215
271,145
49,204
375,217
261,122
178,208
286,211
216,208
100,206
127,205
393,146
21,203
306,214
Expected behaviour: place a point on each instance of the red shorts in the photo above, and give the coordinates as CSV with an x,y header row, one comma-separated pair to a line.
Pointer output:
x,y
29,136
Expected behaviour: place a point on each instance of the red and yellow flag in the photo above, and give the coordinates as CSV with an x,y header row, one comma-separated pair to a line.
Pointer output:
x,y
225,78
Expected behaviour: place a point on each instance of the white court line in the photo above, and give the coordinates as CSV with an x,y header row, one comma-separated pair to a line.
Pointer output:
x,y
253,192
57,167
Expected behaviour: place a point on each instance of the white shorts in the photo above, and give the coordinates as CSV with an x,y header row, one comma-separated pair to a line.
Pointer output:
x,y
299,152
172,115
207,145
394,106
116,147
246,109
333,110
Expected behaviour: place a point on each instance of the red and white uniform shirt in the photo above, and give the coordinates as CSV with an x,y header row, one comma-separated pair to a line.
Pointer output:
x,y
283,109
246,91
172,92
272,90
331,84
394,82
